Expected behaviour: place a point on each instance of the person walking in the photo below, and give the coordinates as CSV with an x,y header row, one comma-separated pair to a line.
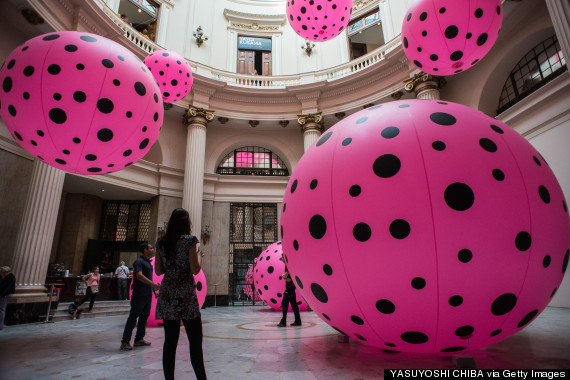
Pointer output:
x,y
92,280
178,259
7,288
141,299
289,296
122,274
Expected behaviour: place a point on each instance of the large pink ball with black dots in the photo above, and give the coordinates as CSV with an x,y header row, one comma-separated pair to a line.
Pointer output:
x,y
425,226
269,284
445,37
80,102
319,20
172,73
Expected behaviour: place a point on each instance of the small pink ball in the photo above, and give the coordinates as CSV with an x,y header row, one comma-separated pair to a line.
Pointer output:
x,y
80,102
425,226
319,20
445,37
172,73
267,276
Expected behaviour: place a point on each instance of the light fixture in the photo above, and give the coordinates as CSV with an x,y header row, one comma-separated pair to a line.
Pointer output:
x,y
205,237
200,36
140,10
308,47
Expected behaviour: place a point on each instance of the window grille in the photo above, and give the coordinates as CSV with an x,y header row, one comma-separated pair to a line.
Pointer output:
x,y
125,221
539,66
252,160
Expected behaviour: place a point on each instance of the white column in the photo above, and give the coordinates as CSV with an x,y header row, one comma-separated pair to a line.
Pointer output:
x,y
37,228
196,119
311,128
560,14
425,86
429,94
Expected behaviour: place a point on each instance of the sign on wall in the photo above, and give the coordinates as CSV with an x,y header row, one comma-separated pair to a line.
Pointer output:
x,y
251,43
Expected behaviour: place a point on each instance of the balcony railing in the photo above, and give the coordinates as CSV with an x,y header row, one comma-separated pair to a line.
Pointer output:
x,y
256,81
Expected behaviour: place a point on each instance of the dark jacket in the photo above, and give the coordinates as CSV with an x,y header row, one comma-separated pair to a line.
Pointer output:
x,y
7,285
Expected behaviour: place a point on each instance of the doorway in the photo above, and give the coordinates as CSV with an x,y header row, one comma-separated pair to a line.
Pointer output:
x,y
254,56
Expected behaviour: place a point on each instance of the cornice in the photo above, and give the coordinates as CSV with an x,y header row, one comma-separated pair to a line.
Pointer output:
x,y
249,18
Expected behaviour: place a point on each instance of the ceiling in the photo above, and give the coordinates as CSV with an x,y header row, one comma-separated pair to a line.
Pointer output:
x,y
90,185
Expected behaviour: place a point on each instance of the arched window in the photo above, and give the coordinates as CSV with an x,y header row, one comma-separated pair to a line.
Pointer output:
x,y
252,160
539,66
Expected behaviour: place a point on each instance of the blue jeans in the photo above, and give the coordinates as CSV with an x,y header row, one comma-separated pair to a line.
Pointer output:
x,y
140,308
122,288
3,306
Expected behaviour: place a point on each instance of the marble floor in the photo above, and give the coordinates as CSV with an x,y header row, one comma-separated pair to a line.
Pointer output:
x,y
243,343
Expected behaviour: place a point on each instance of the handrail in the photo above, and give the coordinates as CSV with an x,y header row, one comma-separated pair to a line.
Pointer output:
x,y
257,81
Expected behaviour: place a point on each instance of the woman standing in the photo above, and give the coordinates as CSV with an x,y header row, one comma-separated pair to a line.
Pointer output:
x,y
178,259
92,280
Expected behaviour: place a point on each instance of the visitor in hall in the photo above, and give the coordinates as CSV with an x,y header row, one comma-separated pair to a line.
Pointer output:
x,y
74,309
289,296
7,288
122,274
141,299
178,259
92,280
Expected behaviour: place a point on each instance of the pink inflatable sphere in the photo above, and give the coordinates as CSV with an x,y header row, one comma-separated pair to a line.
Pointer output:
x,y
172,73
445,37
267,276
80,102
319,20
425,226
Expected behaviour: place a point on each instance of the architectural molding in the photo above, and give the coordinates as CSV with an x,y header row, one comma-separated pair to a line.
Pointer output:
x,y
312,118
195,115
423,81
261,20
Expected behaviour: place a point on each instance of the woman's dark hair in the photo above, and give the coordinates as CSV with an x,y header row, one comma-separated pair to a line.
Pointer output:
x,y
178,225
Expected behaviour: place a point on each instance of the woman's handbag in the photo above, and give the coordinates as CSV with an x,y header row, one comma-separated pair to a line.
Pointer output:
x,y
94,289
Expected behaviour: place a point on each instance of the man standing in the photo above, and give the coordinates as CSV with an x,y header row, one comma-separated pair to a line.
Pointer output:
x,y
122,274
7,288
141,299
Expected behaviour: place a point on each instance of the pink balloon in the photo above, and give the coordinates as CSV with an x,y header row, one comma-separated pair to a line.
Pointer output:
x,y
319,20
445,37
267,276
80,102
172,73
201,290
247,288
425,226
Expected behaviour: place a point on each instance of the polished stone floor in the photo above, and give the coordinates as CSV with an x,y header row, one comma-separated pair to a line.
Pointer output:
x,y
243,343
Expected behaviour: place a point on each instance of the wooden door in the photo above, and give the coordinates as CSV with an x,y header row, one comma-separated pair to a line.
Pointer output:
x,y
266,63
246,61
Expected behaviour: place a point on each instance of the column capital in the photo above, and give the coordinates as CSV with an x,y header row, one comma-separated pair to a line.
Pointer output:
x,y
195,115
311,121
422,82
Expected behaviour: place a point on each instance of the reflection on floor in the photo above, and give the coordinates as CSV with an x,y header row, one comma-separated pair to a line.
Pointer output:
x,y
244,343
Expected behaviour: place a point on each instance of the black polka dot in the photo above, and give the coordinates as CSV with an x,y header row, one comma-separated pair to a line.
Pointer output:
x,y
26,95
433,57
478,13
456,55
385,307
105,135
418,283
399,229
362,232
18,136
498,9
523,241
362,120
465,255
357,320
386,166
54,69
140,88
105,105
129,164
455,301
546,261
354,190
57,96
361,337
565,262
174,82
88,38
11,64
129,114
527,318
313,184
57,115
155,98
317,226
144,144
418,63
482,39
127,152
7,84
65,151
270,269
40,133
327,269
324,139
438,145
453,349
79,96
451,31
116,82
553,292
405,42
156,116
536,160
459,196
199,286
564,207
76,140
51,37
346,141
498,174
496,332
298,281
80,66
443,118
423,16
94,170
326,317
60,161
424,33
390,132
12,110
166,94
409,17
90,157
29,71
503,304
464,331
544,194
414,337
319,293
468,35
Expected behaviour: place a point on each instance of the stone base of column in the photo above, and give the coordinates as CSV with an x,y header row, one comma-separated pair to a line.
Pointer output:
x,y
32,293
